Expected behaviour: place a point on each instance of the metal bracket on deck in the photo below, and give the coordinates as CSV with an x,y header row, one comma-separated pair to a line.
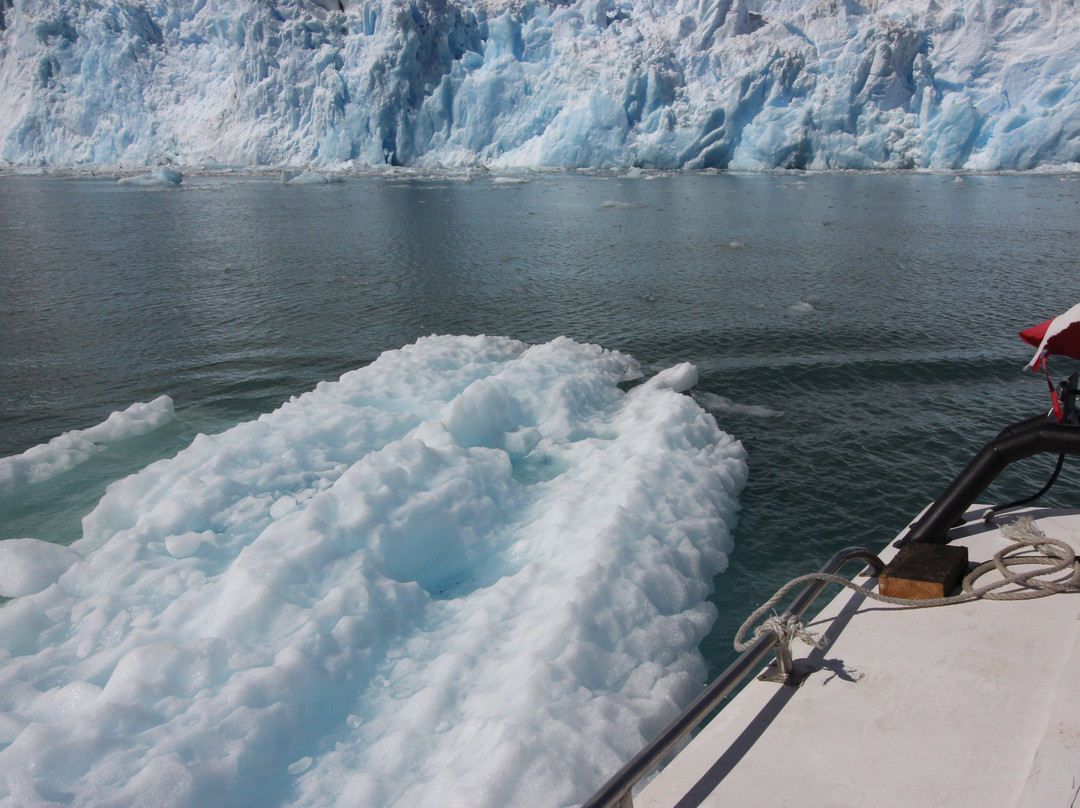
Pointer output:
x,y
782,669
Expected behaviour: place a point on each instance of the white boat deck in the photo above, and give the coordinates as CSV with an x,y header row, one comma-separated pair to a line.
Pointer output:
x,y
976,704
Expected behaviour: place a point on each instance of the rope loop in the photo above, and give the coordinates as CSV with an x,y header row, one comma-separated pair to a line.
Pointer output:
x,y
787,626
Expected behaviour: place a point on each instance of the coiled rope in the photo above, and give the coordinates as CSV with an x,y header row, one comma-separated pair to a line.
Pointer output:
x,y
1029,547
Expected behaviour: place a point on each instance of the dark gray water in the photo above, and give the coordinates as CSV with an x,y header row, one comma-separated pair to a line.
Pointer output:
x,y
877,313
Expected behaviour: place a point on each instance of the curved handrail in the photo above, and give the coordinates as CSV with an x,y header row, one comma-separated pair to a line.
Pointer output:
x,y
1017,442
616,792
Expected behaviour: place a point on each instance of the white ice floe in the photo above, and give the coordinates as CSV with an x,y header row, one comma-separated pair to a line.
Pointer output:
x,y
160,177
68,450
307,177
718,403
473,573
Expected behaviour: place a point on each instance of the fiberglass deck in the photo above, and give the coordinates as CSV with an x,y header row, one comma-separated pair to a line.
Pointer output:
x,y
976,704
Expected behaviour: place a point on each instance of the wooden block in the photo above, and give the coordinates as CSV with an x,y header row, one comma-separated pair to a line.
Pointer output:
x,y
921,571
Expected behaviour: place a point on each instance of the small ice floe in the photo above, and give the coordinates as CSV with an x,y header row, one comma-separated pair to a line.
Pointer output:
x,y
612,204
509,181
718,403
679,378
805,305
307,177
64,452
449,496
29,565
300,766
160,177
735,245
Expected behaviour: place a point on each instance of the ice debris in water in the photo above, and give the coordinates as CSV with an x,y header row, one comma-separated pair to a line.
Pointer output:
x,y
160,177
718,403
486,587
307,177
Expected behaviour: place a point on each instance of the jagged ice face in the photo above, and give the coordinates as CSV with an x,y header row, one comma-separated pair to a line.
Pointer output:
x,y
593,83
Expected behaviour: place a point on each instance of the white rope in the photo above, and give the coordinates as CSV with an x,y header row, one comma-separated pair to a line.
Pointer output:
x,y
786,626
1030,547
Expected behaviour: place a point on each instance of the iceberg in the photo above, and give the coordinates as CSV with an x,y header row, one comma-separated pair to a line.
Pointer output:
x,y
160,177
473,573
621,84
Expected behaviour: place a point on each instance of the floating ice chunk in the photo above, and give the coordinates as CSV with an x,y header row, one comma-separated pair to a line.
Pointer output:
x,y
308,177
718,403
29,565
160,177
802,307
679,378
301,766
68,450
495,588
138,419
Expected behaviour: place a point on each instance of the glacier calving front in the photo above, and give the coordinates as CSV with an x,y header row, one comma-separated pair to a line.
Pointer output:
x,y
942,84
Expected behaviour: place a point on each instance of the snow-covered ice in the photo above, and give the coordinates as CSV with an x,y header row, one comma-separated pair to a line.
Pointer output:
x,y
473,573
741,84
30,565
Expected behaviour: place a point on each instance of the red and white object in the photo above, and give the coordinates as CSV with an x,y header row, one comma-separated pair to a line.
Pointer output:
x,y
1059,335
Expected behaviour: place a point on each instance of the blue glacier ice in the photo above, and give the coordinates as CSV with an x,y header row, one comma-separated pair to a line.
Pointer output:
x,y
527,84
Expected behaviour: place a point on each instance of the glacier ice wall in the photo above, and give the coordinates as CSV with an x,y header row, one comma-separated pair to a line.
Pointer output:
x,y
741,84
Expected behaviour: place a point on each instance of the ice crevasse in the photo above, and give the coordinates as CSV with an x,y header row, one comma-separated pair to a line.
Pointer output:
x,y
525,84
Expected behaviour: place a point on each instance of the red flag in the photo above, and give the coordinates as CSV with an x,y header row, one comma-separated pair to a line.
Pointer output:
x,y
1059,336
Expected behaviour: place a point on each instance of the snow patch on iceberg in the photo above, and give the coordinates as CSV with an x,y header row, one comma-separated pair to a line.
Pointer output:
x,y
473,573
661,84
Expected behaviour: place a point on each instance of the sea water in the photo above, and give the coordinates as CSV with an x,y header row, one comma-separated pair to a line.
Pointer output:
x,y
856,333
